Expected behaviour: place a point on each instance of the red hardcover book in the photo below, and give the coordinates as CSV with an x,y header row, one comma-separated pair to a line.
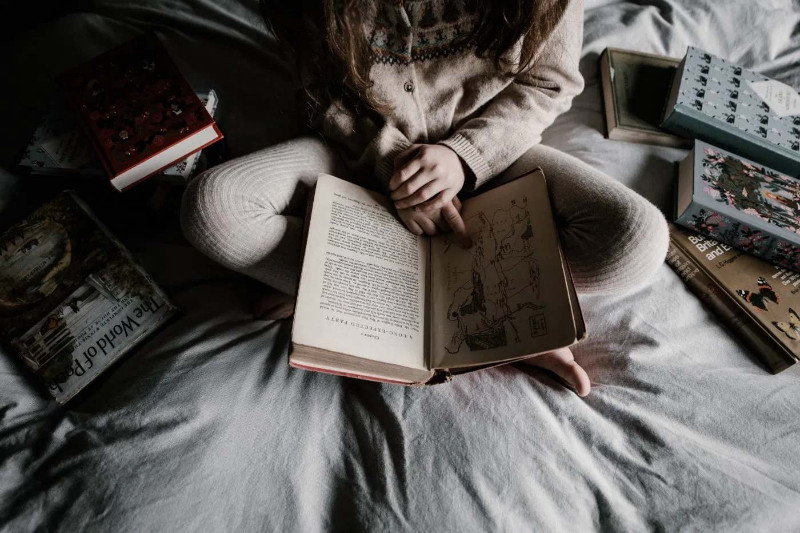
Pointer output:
x,y
139,111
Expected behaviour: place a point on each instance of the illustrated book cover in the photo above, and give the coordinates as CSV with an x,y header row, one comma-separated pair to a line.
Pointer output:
x,y
59,146
138,110
377,302
636,86
72,300
759,302
741,203
736,109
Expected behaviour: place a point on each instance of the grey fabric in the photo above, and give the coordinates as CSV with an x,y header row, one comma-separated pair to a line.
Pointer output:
x,y
206,428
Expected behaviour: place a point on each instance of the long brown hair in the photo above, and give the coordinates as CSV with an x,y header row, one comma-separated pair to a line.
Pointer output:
x,y
335,56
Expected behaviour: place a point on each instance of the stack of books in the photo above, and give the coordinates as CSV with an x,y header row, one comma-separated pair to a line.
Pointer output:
x,y
127,114
60,147
736,237
73,301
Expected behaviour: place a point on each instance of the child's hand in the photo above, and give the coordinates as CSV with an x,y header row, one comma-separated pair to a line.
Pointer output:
x,y
431,221
426,176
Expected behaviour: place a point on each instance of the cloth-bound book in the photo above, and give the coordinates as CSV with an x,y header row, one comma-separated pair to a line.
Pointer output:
x,y
739,202
379,303
138,110
758,301
72,300
59,146
736,109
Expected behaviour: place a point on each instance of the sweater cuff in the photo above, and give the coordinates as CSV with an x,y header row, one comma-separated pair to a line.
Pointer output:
x,y
384,167
472,157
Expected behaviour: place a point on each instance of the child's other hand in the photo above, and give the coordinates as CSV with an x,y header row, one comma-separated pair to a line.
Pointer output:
x,y
426,176
432,221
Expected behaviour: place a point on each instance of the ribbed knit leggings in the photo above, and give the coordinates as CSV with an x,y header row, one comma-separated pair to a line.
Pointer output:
x,y
247,214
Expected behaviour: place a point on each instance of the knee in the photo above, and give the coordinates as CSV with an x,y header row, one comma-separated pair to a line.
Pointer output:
x,y
210,208
628,252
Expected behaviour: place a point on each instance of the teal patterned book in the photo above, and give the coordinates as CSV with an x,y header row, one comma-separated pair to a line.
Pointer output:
x,y
741,203
736,109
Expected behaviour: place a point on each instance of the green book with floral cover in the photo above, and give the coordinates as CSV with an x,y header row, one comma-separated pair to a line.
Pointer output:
x,y
741,203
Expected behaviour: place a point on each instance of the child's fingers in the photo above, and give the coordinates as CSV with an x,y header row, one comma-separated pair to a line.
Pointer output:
x,y
404,173
437,202
456,223
426,224
441,224
410,186
412,226
426,192
457,203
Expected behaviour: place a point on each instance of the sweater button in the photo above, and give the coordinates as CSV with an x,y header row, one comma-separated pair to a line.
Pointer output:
x,y
409,87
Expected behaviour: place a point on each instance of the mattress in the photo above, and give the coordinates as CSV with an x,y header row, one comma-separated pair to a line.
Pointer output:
x,y
205,427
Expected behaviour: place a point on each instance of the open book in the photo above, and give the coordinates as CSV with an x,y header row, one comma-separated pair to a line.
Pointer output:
x,y
377,302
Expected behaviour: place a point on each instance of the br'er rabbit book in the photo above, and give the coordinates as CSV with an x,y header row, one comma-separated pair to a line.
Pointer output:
x,y
379,303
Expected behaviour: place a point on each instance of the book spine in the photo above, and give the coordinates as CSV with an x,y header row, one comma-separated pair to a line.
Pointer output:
x,y
723,228
688,122
700,282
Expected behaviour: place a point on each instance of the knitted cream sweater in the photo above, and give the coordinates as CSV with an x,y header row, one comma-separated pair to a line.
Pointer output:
x,y
441,92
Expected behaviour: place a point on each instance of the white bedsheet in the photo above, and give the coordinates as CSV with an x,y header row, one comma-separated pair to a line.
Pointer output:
x,y
206,428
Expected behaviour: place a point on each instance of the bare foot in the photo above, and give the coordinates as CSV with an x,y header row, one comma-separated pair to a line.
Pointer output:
x,y
562,363
273,305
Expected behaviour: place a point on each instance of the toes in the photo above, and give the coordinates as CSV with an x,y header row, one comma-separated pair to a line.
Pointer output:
x,y
579,379
562,363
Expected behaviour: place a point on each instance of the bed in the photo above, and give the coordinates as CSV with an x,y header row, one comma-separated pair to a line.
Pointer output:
x,y
205,427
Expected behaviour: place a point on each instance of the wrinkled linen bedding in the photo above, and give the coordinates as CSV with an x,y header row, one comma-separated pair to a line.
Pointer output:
x,y
205,427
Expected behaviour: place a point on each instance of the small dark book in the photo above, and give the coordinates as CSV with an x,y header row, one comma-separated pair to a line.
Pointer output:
x,y
739,202
138,110
636,86
758,301
72,300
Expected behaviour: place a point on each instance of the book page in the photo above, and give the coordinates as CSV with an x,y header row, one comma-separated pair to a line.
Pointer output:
x,y
362,288
506,297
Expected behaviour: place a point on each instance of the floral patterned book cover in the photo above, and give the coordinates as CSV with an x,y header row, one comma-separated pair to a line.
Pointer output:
x,y
138,110
72,300
741,203
59,146
736,109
